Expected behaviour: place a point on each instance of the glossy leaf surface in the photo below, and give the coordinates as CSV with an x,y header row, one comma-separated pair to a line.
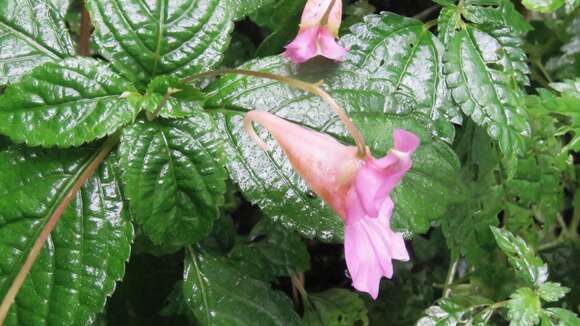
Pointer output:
x,y
144,39
173,177
483,80
63,104
31,33
218,294
85,254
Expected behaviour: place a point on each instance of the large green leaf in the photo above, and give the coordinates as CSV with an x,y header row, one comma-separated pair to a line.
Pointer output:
x,y
173,177
85,254
391,78
218,294
31,32
145,39
486,68
68,103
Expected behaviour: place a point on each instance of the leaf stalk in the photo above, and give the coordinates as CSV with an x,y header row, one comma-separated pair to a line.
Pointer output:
x,y
305,86
50,225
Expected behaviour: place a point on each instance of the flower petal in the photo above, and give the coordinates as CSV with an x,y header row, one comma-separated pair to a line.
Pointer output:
x,y
304,46
369,247
405,141
329,47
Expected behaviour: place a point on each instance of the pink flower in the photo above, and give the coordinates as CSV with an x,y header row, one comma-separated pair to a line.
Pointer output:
x,y
356,188
318,32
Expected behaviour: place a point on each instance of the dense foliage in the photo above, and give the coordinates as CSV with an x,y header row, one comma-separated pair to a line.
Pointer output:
x,y
168,213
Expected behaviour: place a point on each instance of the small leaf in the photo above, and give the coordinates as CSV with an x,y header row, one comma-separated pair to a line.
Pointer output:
x,y
68,103
552,292
31,33
184,100
173,177
527,265
218,294
543,6
335,307
566,317
524,308
146,39
85,254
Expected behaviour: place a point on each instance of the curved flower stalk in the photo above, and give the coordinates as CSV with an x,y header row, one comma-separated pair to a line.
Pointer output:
x,y
318,32
356,187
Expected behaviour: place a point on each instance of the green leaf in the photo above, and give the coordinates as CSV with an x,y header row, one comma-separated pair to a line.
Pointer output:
x,y
527,265
543,6
461,308
68,103
484,79
559,258
173,177
466,226
184,100
566,317
272,251
61,5
241,49
282,19
566,64
85,254
524,308
380,86
552,292
146,39
277,14
243,8
31,33
218,294
335,307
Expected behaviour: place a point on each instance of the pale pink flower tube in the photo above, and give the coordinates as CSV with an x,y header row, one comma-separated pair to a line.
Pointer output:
x,y
318,32
356,188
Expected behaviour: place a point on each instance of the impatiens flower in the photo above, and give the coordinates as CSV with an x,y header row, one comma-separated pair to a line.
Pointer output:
x,y
318,32
356,187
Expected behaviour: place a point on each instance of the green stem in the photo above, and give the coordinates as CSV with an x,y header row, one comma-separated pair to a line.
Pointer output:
x,y
307,87
50,225
450,277
543,70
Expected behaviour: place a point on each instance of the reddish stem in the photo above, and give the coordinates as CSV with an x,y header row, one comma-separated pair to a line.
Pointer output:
x,y
44,234
86,29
